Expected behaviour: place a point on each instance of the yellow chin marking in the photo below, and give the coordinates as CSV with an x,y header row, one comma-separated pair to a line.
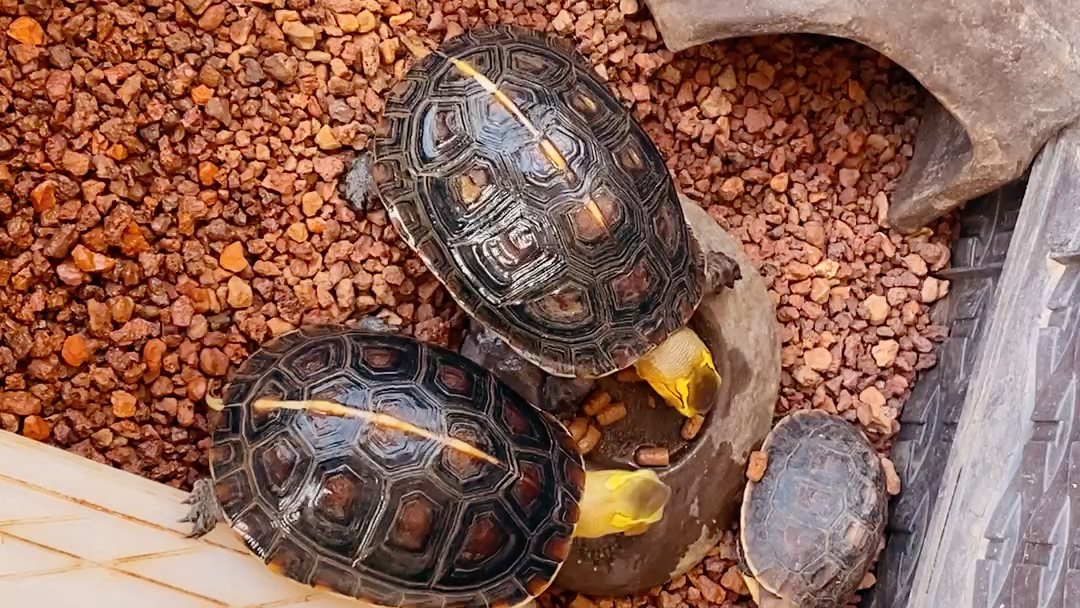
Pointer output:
x,y
621,502
681,370
384,420
752,585
215,403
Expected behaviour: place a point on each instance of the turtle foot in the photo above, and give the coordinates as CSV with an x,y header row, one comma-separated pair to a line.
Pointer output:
x,y
375,324
359,185
205,513
720,271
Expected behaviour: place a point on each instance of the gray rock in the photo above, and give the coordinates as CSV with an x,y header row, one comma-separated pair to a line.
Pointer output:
x,y
1005,76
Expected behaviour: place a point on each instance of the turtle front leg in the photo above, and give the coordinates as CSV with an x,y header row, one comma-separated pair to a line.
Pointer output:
x,y
205,512
721,270
359,184
376,324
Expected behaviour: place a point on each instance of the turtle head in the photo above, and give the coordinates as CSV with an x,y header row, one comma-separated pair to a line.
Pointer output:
x,y
621,502
681,370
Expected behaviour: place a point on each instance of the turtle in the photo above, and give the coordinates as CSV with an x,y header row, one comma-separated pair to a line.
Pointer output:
x,y
545,210
380,467
813,525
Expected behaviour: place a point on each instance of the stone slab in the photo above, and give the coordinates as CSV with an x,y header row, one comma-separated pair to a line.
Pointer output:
x,y
1005,530
1004,77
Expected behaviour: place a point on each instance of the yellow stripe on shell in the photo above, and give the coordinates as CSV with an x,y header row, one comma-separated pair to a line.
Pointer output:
x,y
546,145
376,418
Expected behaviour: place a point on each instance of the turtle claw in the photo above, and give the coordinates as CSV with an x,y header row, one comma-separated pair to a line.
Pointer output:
x,y
375,324
721,270
204,514
359,185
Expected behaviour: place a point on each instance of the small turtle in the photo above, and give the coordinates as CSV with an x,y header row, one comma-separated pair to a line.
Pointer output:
x,y
545,209
813,525
382,468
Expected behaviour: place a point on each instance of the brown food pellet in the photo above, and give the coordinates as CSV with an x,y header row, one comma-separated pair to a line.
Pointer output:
x,y
578,427
611,414
590,440
692,427
596,402
652,456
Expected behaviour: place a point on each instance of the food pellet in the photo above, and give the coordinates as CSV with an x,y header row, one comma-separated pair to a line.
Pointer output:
x,y
692,427
596,403
614,413
578,427
590,440
652,457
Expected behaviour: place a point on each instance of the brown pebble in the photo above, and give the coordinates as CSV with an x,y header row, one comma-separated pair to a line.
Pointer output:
x,y
20,403
755,469
892,479
733,580
75,351
818,359
214,362
36,428
123,404
232,257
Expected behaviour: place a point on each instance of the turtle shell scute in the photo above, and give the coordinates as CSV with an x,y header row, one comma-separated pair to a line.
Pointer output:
x,y
528,188
812,526
378,505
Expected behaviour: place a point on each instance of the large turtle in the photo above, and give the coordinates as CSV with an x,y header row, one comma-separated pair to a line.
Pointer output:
x,y
546,211
813,525
382,468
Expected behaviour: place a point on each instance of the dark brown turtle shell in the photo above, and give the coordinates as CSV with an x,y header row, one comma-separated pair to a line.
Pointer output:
x,y
394,518
472,180
812,526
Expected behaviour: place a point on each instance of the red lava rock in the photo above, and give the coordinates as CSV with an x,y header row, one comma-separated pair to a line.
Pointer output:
x,y
214,362
35,427
20,403
75,351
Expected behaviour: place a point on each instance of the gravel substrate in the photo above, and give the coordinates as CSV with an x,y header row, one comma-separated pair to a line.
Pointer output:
x,y
169,200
